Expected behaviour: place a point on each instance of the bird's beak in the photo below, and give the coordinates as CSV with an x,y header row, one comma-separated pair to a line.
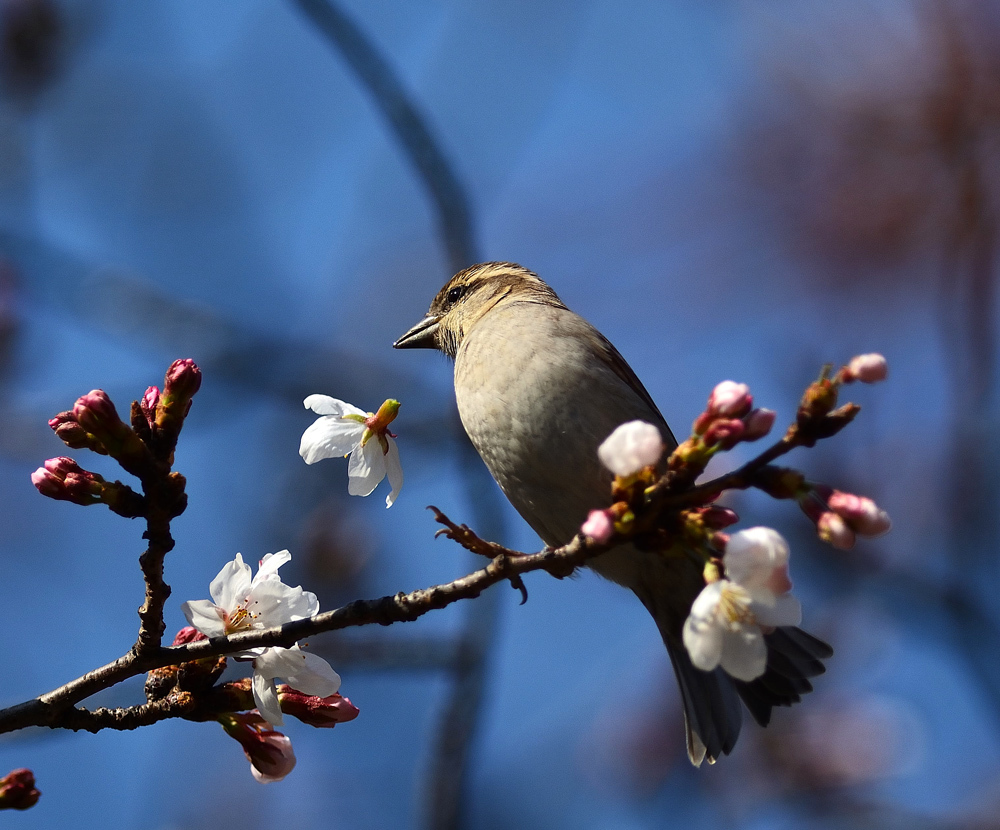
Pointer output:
x,y
422,336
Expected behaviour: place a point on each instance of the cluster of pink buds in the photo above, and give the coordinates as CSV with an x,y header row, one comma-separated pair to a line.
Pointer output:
x,y
17,790
730,417
64,480
841,517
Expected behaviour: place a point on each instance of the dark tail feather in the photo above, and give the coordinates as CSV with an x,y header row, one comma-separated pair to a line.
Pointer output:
x,y
792,657
712,713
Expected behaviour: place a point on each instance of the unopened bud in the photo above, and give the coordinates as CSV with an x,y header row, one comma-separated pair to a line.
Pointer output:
x,y
818,400
758,424
17,790
148,405
867,368
64,480
599,526
730,400
631,447
96,413
188,634
833,530
864,516
726,433
183,379
321,712
269,752
73,435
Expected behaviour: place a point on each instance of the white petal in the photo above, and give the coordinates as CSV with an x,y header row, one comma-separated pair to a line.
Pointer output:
x,y
314,677
330,437
707,601
206,616
265,695
232,584
274,603
786,610
702,634
744,653
394,470
365,469
325,405
631,447
753,554
269,565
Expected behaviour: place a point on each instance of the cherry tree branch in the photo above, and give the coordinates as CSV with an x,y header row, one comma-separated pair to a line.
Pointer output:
x,y
57,709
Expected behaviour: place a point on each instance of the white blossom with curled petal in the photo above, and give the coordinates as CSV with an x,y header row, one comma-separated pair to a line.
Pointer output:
x,y
631,447
346,430
724,627
243,603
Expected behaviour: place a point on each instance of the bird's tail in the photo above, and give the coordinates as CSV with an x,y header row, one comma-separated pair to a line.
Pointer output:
x,y
712,712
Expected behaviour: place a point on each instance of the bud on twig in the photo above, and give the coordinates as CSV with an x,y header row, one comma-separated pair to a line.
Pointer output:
x,y
73,435
322,712
96,413
269,752
17,790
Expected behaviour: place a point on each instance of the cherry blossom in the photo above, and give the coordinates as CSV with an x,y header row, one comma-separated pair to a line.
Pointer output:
x,y
725,626
346,430
242,603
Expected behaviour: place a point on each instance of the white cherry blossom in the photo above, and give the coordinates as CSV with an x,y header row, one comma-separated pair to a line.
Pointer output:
x,y
243,603
724,627
344,430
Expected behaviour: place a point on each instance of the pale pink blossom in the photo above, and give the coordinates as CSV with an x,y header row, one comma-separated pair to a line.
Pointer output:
x,y
867,368
730,400
758,424
598,526
864,516
631,447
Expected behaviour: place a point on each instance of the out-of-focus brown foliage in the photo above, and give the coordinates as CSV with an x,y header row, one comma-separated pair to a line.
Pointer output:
x,y
890,150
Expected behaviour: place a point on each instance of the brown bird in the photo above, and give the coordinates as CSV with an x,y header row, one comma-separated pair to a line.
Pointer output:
x,y
538,389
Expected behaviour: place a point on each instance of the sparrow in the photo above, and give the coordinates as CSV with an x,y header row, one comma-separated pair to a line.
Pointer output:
x,y
538,389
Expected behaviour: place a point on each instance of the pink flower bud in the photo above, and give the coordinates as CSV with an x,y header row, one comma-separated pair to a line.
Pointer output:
x,y
183,379
598,526
188,634
714,517
269,752
96,413
63,479
322,712
726,432
868,368
148,405
861,513
631,447
17,790
833,530
758,424
730,400
73,435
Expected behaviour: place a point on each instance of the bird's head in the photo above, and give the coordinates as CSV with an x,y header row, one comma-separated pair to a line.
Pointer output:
x,y
467,297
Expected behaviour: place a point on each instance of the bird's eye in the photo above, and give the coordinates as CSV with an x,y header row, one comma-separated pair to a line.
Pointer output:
x,y
456,294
